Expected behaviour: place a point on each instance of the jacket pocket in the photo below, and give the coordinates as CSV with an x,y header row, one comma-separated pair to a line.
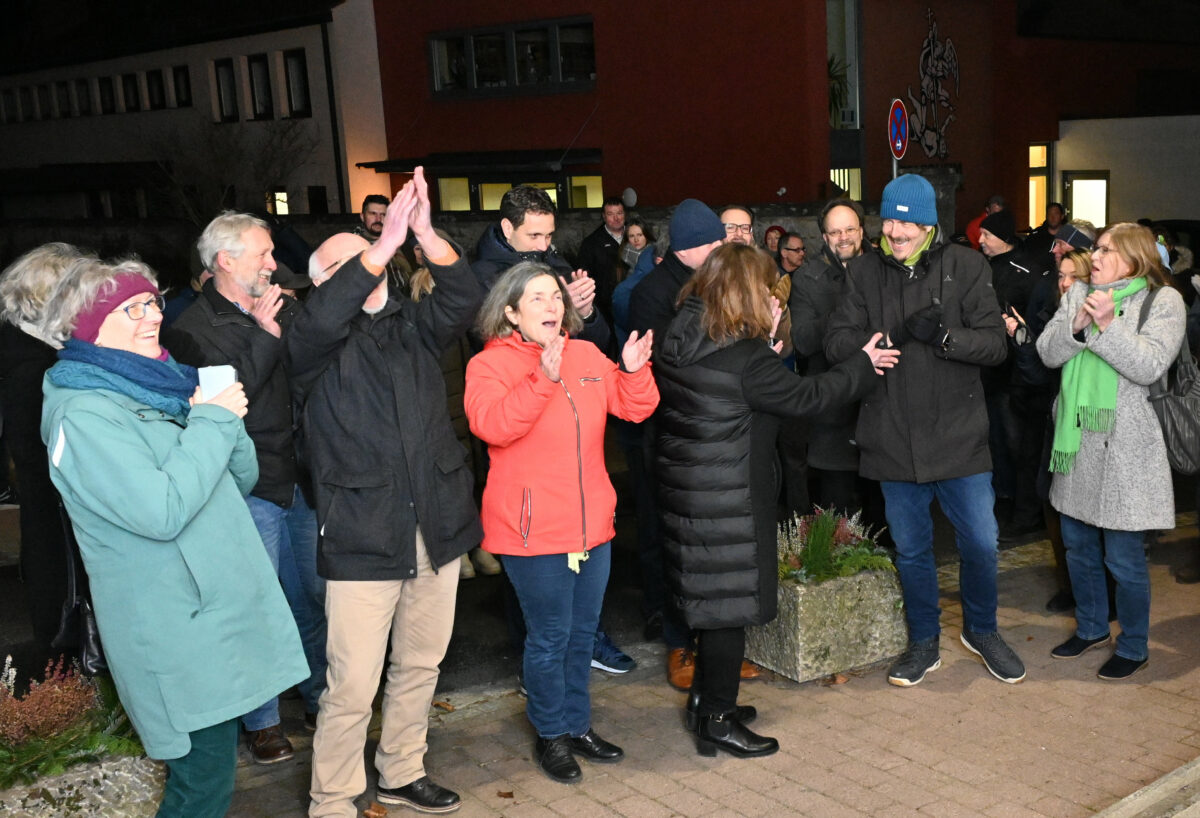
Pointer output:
x,y
454,485
358,518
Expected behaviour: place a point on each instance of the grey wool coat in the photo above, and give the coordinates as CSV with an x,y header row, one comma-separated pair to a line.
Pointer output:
x,y
1121,479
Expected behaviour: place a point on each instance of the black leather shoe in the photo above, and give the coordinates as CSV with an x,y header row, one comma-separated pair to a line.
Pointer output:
x,y
691,713
553,756
594,748
727,733
422,795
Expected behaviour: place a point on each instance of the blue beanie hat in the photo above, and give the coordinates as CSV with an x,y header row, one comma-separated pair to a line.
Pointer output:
x,y
694,223
909,198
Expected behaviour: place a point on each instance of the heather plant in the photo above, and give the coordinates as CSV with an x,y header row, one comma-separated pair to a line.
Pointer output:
x,y
817,547
63,720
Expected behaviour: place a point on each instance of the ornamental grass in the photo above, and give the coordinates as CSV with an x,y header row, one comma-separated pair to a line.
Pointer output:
x,y
817,547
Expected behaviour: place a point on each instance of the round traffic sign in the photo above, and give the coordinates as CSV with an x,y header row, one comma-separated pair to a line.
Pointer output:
x,y
898,129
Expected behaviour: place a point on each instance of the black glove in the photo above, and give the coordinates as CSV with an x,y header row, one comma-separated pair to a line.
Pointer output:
x,y
924,326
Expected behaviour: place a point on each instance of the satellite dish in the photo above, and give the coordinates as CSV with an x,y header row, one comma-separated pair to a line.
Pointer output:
x,y
629,197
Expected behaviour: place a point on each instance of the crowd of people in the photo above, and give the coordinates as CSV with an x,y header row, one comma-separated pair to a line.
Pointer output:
x,y
269,492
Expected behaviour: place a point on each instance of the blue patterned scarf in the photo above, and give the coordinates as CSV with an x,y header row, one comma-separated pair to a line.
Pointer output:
x,y
164,385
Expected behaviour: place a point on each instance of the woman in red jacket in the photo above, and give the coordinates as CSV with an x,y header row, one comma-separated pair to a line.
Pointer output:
x,y
539,399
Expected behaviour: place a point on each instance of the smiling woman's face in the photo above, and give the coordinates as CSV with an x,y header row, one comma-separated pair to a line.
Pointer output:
x,y
539,314
139,335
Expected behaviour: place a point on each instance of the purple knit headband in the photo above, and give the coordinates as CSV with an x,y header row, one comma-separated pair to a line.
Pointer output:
x,y
124,285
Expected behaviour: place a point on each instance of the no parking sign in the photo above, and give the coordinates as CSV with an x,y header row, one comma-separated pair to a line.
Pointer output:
x,y
898,129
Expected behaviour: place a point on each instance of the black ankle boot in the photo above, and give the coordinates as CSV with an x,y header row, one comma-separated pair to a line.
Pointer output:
x,y
727,733
691,713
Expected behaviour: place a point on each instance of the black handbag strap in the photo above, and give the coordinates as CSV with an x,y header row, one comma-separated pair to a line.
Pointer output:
x,y
1159,387
76,582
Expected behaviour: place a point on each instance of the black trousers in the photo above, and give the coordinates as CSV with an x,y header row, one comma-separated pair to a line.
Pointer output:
x,y
719,655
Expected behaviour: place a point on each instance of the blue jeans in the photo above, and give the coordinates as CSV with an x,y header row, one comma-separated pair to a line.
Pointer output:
x,y
968,503
561,610
1089,549
290,537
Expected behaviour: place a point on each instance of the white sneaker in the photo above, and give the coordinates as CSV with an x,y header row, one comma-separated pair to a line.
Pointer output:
x,y
485,563
465,569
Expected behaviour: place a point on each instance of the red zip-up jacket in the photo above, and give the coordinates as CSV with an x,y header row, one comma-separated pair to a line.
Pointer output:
x,y
548,490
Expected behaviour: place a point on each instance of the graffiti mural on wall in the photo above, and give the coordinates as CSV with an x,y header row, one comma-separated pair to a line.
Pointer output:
x,y
932,111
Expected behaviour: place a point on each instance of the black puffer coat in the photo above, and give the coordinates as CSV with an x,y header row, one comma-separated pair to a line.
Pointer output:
x,y
718,478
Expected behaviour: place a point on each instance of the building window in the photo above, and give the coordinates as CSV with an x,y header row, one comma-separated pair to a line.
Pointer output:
x,y
108,96
183,86
83,97
43,101
585,191
1086,194
226,86
1039,180
131,93
28,114
295,66
849,181
318,200
156,89
261,104
277,201
454,193
11,112
62,98
542,56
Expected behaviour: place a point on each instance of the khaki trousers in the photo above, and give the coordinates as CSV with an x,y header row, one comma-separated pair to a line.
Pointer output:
x,y
420,614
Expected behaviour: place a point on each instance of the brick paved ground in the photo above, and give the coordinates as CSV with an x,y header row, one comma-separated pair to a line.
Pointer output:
x,y
1063,743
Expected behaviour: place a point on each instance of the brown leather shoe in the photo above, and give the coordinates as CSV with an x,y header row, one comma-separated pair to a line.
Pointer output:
x,y
269,746
681,667
750,670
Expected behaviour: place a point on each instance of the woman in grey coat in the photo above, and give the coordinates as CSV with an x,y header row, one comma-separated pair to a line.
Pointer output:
x,y
1111,477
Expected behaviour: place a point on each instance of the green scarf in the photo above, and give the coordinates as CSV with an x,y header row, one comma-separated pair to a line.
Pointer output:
x,y
1087,398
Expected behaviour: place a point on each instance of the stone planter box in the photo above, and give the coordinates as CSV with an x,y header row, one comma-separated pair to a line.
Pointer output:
x,y
117,786
833,627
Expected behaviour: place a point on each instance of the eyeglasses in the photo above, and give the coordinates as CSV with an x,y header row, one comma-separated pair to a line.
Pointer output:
x,y
339,262
748,229
137,310
793,249
837,234
1103,250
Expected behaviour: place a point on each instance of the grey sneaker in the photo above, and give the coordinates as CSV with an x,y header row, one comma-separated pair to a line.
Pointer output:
x,y
920,658
1000,660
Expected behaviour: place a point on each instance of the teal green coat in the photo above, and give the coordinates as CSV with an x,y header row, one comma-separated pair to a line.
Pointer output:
x,y
194,624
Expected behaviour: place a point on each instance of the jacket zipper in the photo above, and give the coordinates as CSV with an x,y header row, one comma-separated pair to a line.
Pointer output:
x,y
526,515
579,460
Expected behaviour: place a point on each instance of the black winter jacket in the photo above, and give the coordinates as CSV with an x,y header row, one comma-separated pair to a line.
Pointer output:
x,y
925,419
375,430
495,255
213,332
598,255
816,290
718,476
652,304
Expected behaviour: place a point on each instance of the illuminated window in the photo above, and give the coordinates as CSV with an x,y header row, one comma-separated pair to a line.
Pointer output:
x,y
490,194
454,193
585,191
848,180
277,201
1039,180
